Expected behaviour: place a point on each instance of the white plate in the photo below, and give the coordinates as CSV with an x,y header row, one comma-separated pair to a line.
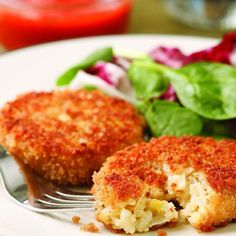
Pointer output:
x,y
36,68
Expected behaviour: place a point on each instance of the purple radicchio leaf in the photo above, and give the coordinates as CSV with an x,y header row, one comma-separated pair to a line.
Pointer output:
x,y
169,95
100,70
113,75
169,56
122,62
222,52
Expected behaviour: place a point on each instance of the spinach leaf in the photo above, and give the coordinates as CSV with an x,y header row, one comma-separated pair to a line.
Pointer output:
x,y
104,54
146,79
209,89
168,118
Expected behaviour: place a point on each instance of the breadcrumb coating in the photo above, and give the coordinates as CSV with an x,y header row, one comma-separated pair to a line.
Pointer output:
x,y
197,172
66,135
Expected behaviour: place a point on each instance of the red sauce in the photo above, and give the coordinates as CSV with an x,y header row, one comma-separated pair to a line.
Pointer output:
x,y
28,22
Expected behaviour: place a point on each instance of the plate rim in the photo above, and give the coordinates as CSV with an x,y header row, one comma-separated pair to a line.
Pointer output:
x,y
6,53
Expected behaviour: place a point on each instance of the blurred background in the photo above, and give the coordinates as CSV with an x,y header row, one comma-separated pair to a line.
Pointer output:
x,y
152,16
28,22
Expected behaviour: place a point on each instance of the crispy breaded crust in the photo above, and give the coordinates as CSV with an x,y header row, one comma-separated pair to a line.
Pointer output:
x,y
217,159
127,173
66,135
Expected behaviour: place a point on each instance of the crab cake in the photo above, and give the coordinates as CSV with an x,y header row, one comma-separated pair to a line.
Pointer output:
x,y
66,135
136,187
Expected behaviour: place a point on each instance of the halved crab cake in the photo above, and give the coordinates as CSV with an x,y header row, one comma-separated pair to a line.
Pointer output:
x,y
66,135
135,188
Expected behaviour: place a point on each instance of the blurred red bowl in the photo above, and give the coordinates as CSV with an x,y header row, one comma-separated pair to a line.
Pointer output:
x,y
28,22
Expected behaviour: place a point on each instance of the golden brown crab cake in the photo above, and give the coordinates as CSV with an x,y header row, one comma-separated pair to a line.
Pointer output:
x,y
66,135
135,187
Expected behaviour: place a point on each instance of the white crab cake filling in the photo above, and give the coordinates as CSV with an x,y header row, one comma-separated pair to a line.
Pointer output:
x,y
199,195
189,188
138,216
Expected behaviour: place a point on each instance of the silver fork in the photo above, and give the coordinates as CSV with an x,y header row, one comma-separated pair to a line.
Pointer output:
x,y
30,190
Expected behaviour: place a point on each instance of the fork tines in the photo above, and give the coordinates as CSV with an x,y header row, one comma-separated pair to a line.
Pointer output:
x,y
65,200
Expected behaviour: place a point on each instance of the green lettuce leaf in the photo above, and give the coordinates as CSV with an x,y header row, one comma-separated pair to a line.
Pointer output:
x,y
147,80
104,54
169,118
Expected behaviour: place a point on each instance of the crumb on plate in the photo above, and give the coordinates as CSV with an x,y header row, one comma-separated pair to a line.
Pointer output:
x,y
75,219
161,232
90,227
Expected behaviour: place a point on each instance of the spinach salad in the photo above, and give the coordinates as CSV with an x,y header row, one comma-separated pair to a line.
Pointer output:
x,y
177,94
